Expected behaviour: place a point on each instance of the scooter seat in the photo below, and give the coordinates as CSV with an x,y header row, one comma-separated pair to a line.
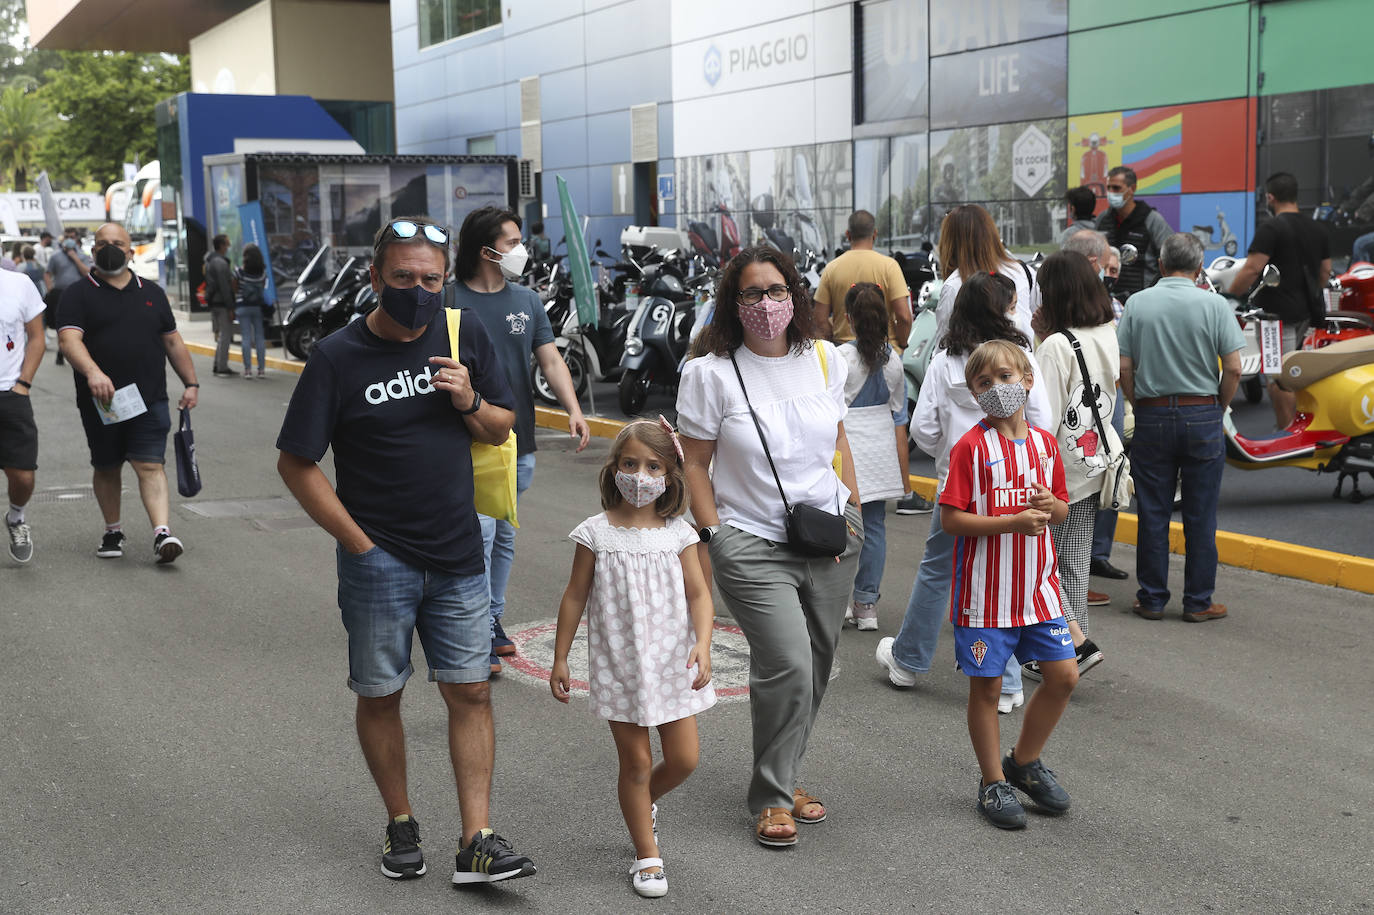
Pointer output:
x,y
1307,367
1352,317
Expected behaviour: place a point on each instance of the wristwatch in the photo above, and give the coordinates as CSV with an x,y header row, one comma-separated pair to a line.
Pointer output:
x,y
706,533
476,404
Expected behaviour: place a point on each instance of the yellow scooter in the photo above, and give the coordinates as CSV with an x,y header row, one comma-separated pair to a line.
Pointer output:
x,y
1334,429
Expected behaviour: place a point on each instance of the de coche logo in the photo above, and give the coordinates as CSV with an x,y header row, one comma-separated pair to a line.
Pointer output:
x,y
711,66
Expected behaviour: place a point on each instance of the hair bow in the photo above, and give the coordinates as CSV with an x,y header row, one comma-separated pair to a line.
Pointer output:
x,y
677,445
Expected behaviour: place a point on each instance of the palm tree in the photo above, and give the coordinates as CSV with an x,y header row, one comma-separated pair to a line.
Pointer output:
x,y
23,121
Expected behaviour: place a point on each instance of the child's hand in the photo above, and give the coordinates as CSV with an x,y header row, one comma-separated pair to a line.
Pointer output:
x,y
560,681
1030,522
1043,500
700,657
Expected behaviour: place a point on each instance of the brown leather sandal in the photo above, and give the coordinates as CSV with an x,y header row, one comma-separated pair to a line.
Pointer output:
x,y
801,800
771,817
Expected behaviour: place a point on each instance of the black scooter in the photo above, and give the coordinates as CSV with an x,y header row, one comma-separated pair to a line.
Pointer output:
x,y
324,309
659,330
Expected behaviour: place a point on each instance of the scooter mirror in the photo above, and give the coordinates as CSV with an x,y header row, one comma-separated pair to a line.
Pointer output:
x,y
1129,254
1271,276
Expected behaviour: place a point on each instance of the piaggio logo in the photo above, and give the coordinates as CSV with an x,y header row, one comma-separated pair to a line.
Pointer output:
x,y
402,386
711,66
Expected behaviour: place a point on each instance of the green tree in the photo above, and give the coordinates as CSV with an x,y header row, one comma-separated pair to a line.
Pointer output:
x,y
105,103
21,64
23,121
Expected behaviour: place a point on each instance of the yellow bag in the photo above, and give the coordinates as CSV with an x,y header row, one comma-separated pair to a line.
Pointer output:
x,y
493,466
838,460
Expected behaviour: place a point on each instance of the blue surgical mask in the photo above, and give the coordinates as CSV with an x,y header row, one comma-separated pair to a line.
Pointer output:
x,y
1116,201
413,308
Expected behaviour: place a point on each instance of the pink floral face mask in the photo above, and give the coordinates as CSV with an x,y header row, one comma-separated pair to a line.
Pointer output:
x,y
766,318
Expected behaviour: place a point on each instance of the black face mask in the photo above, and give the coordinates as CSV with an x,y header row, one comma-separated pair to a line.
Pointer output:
x,y
111,259
1109,282
412,308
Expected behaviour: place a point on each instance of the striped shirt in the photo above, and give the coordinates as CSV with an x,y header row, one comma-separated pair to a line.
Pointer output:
x,y
1011,579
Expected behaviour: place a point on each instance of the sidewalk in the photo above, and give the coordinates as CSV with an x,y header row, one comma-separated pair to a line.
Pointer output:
x,y
197,331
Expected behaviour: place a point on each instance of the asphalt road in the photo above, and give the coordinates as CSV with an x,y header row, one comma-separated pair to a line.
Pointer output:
x,y
180,739
1281,503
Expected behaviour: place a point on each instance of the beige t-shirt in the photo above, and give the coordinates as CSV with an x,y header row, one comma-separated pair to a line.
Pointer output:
x,y
860,266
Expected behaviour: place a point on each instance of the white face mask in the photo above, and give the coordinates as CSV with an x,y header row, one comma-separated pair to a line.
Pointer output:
x,y
640,489
513,262
1116,201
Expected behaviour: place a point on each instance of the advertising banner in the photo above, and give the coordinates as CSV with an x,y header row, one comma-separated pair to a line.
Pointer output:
x,y
584,290
1020,82
894,60
966,25
255,233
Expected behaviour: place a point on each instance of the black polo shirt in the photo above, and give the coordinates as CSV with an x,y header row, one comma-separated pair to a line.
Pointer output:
x,y
122,330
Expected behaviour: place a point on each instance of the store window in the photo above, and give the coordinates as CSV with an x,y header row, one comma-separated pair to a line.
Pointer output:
x,y
441,20
482,146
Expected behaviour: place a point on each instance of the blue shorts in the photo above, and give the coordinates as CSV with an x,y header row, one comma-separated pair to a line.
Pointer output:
x,y
384,601
143,438
984,652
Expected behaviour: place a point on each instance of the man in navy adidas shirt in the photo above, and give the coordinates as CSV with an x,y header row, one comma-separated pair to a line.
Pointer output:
x,y
401,416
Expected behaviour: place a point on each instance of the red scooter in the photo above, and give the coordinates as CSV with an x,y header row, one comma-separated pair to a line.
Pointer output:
x,y
1355,316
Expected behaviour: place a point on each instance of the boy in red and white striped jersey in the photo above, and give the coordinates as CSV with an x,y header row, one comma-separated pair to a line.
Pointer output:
x,y
1005,484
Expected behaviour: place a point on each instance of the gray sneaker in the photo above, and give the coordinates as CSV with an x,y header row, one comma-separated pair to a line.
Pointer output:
x,y
998,803
1038,782
865,617
913,504
21,541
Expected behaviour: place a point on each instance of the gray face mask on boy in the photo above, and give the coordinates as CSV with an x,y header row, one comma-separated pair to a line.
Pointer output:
x,y
1003,400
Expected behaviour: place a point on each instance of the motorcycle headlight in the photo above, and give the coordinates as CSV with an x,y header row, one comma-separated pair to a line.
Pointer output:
x,y
634,346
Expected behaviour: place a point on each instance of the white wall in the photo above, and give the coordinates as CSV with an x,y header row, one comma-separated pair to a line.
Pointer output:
x,y
236,56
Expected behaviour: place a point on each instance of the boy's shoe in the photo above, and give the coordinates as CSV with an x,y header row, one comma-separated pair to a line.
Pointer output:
x,y
998,803
401,855
489,858
500,645
897,675
167,548
913,504
1088,657
21,541
495,663
865,617
1212,612
111,545
1098,599
1038,783
1008,701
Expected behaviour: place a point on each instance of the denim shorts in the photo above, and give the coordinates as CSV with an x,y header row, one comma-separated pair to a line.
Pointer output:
x,y
984,652
384,600
143,438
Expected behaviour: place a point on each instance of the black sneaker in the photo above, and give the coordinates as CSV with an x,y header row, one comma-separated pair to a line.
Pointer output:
x,y
489,858
167,548
913,504
111,545
401,855
500,644
998,803
21,541
1038,783
1088,657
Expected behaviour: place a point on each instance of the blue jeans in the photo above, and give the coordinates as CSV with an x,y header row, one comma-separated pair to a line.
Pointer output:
x,y
1104,525
928,608
1169,442
252,336
384,600
498,540
1363,249
874,554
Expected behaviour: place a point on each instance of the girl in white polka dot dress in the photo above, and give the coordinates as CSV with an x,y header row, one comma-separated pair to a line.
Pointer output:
x,y
649,617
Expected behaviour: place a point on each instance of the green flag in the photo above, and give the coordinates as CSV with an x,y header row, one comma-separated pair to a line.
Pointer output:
x,y
584,290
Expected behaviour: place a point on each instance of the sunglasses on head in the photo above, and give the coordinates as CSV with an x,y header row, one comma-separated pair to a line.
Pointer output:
x,y
405,229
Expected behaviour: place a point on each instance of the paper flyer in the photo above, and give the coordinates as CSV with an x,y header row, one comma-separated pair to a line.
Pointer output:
x,y
126,404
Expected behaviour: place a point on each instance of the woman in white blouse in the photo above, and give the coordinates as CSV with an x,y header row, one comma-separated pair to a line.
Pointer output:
x,y
969,244
790,607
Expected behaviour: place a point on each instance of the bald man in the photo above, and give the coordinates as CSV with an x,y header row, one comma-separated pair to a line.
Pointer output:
x,y
118,332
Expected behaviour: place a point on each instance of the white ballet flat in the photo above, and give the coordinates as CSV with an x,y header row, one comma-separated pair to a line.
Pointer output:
x,y
650,886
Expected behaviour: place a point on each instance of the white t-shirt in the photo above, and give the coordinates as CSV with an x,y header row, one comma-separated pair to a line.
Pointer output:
x,y
1084,455
799,412
1027,299
946,410
19,304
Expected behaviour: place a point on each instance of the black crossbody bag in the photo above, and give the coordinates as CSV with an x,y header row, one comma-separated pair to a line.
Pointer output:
x,y
811,531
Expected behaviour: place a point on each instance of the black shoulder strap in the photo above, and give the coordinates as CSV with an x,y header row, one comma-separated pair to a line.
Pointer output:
x,y
766,453
1030,280
1089,398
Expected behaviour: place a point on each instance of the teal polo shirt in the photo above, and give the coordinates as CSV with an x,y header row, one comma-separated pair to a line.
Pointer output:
x,y
1175,332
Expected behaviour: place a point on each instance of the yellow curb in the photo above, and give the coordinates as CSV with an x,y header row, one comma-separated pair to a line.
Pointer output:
x,y
1291,560
273,362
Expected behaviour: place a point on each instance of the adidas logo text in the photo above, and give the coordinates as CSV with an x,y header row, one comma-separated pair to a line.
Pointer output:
x,y
402,386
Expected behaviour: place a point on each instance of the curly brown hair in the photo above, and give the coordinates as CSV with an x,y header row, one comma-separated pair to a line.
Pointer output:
x,y
725,333
673,502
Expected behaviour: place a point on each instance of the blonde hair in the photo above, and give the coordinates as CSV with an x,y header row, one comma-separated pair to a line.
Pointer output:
x,y
990,354
673,502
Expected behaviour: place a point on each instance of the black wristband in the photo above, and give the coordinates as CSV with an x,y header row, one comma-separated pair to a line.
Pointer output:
x,y
476,405
26,385
193,385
